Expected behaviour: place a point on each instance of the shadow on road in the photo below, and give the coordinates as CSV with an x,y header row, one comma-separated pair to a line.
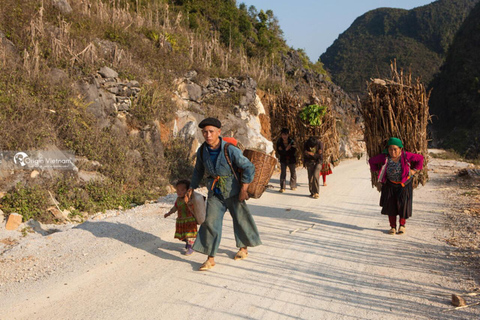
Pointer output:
x,y
310,234
136,238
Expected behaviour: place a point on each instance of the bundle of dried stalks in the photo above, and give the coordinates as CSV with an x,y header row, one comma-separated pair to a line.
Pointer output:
x,y
284,113
397,108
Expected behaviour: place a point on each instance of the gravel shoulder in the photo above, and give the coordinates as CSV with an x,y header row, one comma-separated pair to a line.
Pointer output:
x,y
328,258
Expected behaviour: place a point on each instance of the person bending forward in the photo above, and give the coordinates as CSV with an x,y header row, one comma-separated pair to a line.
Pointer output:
x,y
396,168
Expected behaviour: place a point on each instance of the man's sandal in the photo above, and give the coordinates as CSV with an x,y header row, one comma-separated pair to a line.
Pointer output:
x,y
241,255
207,265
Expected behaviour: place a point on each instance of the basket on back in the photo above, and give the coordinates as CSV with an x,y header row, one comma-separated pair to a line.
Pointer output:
x,y
264,166
397,108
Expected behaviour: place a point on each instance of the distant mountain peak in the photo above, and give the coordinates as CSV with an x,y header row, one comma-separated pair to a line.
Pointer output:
x,y
418,39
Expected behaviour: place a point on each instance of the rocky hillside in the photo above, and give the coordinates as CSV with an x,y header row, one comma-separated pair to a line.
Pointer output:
x,y
455,99
123,85
418,39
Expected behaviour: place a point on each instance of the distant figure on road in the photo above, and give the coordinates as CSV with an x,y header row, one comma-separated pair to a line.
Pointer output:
x,y
225,191
186,225
326,170
286,148
312,160
396,167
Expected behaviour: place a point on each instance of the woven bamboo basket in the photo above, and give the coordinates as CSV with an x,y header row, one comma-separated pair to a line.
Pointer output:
x,y
264,166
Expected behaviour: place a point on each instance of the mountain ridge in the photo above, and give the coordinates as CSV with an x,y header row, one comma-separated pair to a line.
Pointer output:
x,y
418,39
455,99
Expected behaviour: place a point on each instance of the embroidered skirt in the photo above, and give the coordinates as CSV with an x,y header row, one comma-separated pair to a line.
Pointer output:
x,y
396,200
326,169
186,228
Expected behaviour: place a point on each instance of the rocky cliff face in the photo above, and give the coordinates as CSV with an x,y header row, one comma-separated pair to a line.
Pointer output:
x,y
233,100
242,108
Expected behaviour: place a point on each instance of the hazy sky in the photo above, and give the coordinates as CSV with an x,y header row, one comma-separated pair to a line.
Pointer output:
x,y
314,25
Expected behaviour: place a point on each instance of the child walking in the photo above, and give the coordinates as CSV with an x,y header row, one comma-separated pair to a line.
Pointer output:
x,y
186,225
326,170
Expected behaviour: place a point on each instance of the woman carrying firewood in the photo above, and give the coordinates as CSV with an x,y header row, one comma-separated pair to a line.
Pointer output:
x,y
396,167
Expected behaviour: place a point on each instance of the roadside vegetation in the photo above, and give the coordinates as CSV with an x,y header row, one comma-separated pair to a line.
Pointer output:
x,y
151,41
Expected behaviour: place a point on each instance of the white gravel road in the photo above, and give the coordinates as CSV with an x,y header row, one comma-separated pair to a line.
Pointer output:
x,y
329,258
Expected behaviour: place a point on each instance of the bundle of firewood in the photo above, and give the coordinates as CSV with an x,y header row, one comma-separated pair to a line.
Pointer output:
x,y
285,111
397,107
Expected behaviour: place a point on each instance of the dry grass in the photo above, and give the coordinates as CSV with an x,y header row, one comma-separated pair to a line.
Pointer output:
x,y
463,222
150,42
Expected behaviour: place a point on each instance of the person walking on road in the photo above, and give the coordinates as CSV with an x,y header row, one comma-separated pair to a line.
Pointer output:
x,y
326,170
216,159
396,168
312,160
286,149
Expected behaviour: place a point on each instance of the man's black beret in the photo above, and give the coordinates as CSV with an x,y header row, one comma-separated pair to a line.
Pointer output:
x,y
210,122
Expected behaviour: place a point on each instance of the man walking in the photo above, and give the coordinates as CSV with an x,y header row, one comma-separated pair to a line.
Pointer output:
x,y
226,190
286,149
312,160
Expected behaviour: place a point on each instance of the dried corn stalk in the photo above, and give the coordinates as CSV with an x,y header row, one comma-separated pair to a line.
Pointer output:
x,y
397,108
284,113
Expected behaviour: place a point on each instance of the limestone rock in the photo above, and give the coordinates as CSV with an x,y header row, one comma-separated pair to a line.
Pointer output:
x,y
63,6
106,72
195,107
37,227
14,221
57,76
244,123
96,103
241,113
7,44
123,103
190,91
188,130
133,84
292,62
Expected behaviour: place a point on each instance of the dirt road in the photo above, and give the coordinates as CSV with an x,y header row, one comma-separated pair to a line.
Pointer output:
x,y
329,258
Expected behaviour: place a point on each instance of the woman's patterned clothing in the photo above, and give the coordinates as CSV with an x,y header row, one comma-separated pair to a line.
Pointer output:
x,y
394,170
